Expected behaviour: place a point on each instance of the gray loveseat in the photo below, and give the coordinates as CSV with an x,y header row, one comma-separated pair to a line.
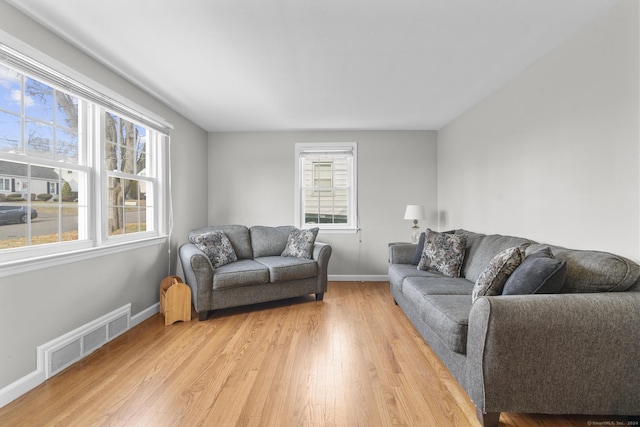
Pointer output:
x,y
573,352
259,274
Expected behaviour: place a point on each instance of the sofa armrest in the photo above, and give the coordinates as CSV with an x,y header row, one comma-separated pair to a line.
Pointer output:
x,y
198,272
567,353
401,253
322,253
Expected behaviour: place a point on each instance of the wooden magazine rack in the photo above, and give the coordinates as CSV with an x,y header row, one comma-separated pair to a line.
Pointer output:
x,y
175,300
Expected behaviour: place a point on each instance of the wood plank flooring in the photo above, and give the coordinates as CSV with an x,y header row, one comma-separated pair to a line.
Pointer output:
x,y
351,360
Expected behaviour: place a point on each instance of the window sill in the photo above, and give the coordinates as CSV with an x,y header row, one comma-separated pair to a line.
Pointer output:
x,y
37,263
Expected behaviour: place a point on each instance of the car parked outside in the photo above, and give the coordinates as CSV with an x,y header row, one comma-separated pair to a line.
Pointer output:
x,y
10,214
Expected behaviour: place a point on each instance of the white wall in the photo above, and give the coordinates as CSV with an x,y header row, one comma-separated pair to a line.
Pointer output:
x,y
42,305
251,182
554,154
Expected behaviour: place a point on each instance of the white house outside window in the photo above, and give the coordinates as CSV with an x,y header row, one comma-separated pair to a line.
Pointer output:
x,y
326,186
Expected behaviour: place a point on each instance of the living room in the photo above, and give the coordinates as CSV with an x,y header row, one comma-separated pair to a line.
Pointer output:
x,y
552,155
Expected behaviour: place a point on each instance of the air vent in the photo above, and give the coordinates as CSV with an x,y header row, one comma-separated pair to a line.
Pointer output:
x,y
118,326
64,351
94,339
65,356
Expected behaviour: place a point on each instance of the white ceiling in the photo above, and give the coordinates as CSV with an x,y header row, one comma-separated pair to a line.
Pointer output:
x,y
317,64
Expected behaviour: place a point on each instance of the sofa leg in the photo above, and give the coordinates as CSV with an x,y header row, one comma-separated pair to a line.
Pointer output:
x,y
488,419
319,296
202,316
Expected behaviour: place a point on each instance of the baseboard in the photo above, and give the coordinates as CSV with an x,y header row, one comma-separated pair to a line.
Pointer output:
x,y
21,386
37,377
145,314
358,278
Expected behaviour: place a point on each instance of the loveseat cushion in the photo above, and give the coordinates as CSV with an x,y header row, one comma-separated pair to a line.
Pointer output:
x,y
269,241
215,245
448,317
594,271
238,235
300,243
282,269
244,272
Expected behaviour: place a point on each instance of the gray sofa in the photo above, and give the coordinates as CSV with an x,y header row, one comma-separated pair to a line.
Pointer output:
x,y
260,273
573,352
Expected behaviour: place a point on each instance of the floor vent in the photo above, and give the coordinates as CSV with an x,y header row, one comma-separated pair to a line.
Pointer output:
x,y
64,351
59,358
118,326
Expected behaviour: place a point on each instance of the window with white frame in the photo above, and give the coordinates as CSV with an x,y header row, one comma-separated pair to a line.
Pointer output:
x,y
77,169
5,184
326,195
130,184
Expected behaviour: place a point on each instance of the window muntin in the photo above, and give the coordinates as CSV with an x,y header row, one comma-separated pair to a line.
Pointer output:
x,y
34,213
325,186
46,166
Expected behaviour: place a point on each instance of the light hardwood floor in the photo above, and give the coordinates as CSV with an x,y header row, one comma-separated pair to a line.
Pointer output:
x,y
351,360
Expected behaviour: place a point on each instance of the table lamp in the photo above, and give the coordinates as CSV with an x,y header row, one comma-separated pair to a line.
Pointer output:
x,y
414,212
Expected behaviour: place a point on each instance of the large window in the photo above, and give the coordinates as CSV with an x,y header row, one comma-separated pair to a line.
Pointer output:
x,y
75,172
326,186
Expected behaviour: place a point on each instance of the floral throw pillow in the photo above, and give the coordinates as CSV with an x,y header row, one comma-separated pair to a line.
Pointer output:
x,y
216,245
492,279
443,253
300,243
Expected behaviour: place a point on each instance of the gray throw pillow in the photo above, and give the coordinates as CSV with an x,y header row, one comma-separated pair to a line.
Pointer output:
x,y
418,253
539,273
493,278
216,245
300,243
443,253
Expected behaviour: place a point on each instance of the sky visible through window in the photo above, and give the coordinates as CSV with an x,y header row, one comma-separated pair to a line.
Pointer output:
x,y
48,118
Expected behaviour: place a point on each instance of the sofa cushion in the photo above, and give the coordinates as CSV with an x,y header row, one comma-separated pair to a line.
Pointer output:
x,y
443,253
244,272
398,273
492,279
594,271
216,246
282,269
486,250
473,243
448,317
238,235
415,288
539,273
269,241
300,243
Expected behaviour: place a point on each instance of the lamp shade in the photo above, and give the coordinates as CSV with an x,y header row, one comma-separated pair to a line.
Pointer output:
x,y
414,212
